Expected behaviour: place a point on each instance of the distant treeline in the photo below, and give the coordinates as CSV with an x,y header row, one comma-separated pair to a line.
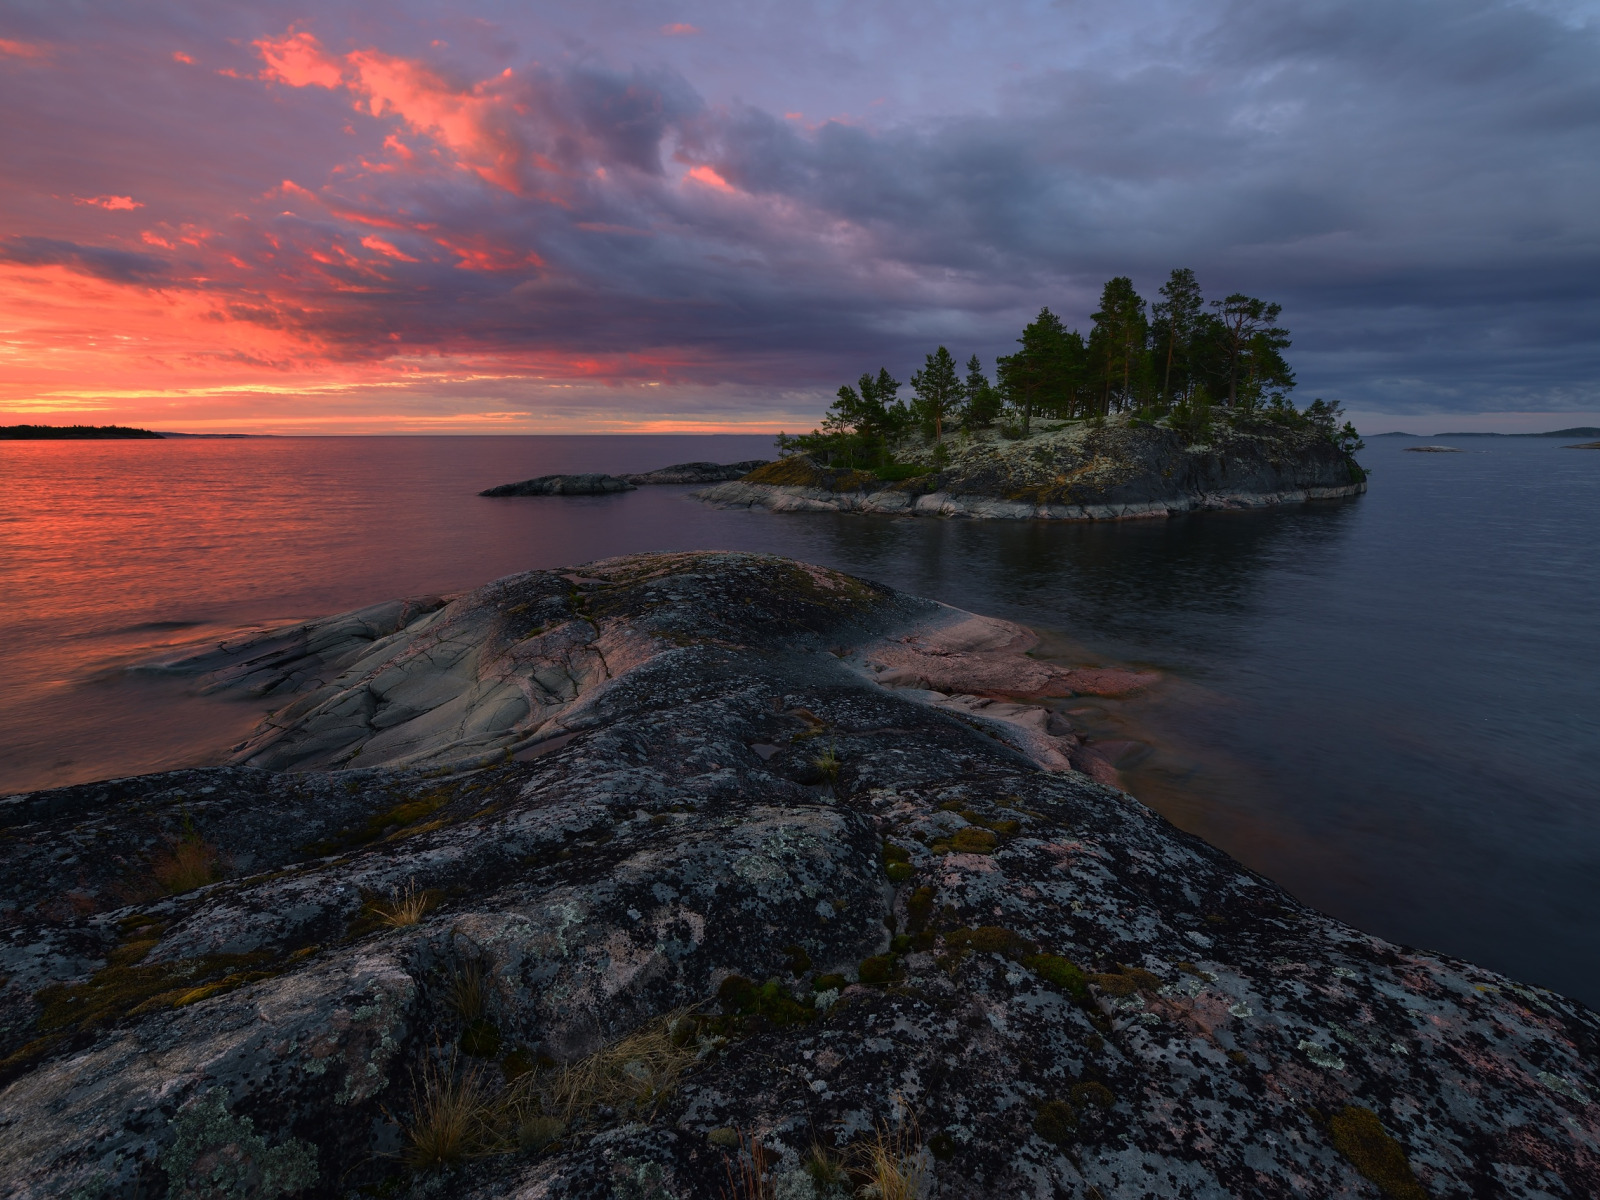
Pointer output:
x,y
49,433
1175,360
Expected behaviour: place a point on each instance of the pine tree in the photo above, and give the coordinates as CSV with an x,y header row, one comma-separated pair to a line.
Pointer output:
x,y
1040,374
938,391
1117,344
982,398
1176,320
1253,342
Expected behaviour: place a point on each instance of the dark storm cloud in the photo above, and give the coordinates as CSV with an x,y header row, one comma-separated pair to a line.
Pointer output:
x,y
117,266
1418,183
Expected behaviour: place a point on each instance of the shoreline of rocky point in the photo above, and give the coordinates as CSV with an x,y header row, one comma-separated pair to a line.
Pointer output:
x,y
670,871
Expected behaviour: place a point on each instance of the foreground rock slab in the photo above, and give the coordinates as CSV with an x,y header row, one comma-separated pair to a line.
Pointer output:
x,y
732,897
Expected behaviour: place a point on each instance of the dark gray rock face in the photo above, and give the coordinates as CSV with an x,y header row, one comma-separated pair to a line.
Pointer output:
x,y
732,888
562,485
698,472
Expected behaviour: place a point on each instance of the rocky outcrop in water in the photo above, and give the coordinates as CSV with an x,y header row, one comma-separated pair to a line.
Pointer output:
x,y
562,485
1433,449
698,472
1082,472
748,894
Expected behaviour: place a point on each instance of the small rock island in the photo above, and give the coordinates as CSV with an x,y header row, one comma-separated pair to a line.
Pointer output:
x,y
690,875
1162,409
600,485
1082,471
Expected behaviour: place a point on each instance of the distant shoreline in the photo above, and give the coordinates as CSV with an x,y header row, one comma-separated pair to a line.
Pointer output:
x,y
100,433
1579,431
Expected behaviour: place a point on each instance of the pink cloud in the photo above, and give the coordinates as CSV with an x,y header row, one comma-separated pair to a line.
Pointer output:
x,y
114,203
388,249
679,29
710,178
299,60
21,49
181,57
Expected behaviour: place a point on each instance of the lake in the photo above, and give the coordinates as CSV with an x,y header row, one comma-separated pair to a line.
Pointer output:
x,y
1390,704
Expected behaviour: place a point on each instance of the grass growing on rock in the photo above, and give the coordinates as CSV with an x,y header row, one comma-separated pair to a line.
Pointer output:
x,y
191,862
452,1117
130,988
897,863
1358,1134
891,1164
401,820
403,908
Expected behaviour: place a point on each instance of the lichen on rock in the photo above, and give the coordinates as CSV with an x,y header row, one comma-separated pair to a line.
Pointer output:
x,y
658,937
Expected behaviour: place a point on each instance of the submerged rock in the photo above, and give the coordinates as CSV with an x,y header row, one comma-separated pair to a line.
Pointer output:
x,y
562,485
1433,449
766,858
698,472
1077,473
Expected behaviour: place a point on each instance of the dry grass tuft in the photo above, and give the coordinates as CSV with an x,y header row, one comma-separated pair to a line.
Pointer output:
x,y
748,1172
537,1132
451,1117
827,1170
472,987
631,1077
892,1164
191,862
405,907
636,1073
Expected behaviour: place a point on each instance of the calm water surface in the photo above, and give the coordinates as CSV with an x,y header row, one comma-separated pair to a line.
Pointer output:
x,y
1390,705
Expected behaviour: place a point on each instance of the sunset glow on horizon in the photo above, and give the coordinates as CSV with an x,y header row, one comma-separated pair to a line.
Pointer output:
x,y
385,219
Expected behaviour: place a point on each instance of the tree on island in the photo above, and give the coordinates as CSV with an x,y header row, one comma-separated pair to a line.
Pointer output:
x,y
1255,346
983,399
938,391
1118,344
1045,375
1175,320
1158,363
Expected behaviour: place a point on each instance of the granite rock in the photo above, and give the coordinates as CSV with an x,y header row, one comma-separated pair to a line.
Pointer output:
x,y
562,485
1116,471
697,472
774,902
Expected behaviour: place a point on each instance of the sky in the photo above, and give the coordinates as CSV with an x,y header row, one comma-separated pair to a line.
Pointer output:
x,y
697,216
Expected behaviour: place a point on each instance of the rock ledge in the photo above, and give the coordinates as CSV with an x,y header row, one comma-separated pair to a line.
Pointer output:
x,y
667,858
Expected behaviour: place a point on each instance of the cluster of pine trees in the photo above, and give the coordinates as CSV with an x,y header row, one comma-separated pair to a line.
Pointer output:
x,y
1180,359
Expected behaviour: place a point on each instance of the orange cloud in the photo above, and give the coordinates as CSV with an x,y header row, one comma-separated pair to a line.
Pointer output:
x,y
21,49
388,249
481,254
710,178
678,30
113,203
299,60
180,56
473,123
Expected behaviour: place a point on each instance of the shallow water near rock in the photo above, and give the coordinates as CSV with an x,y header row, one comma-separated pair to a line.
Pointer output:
x,y
1389,705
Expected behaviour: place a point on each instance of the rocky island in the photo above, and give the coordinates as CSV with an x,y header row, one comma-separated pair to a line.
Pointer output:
x,y
710,875
1081,471
601,485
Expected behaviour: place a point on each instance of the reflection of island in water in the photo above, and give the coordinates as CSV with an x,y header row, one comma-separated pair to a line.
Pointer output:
x,y
1185,598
